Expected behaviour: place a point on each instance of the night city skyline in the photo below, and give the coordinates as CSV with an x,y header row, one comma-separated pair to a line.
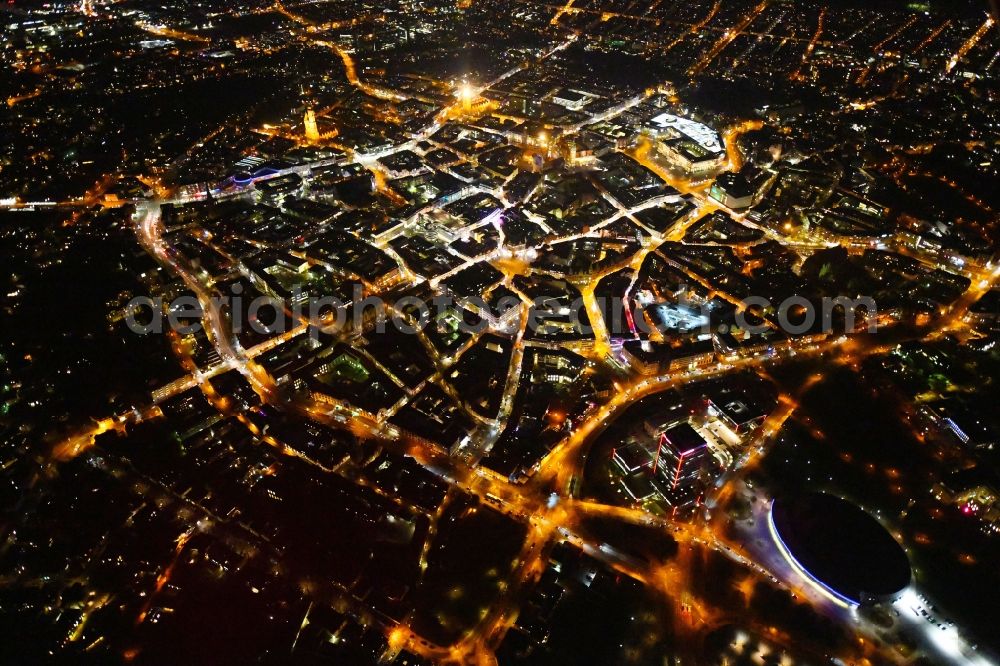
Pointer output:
x,y
500,332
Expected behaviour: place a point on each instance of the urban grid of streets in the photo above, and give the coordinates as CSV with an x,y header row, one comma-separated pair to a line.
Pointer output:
x,y
549,521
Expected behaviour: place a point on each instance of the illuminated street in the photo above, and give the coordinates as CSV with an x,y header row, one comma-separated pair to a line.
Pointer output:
x,y
500,333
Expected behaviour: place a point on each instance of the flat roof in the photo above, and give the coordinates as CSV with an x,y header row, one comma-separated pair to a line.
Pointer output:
x,y
684,439
633,456
638,485
700,133
571,95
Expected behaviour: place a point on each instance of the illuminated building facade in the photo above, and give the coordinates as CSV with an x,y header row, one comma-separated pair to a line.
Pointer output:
x,y
681,458
690,157
312,129
687,145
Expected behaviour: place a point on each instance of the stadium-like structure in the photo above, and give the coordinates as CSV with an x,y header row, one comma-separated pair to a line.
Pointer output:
x,y
840,548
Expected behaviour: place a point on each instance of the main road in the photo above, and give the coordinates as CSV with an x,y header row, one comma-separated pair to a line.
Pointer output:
x,y
550,517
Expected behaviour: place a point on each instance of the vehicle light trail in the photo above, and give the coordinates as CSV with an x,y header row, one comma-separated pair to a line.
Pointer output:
x,y
727,37
694,28
878,47
931,37
969,44
164,577
82,442
797,74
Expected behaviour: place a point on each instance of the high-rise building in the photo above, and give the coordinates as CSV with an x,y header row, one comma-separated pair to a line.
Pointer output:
x,y
679,465
312,129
